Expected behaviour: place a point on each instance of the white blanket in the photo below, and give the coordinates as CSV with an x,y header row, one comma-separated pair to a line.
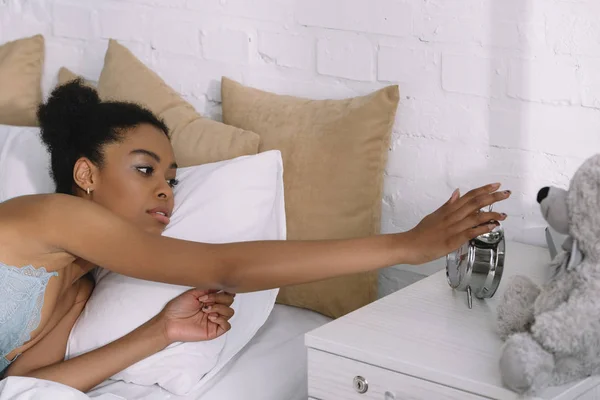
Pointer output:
x,y
272,366
18,388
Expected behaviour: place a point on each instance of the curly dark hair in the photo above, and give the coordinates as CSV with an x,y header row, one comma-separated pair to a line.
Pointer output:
x,y
75,123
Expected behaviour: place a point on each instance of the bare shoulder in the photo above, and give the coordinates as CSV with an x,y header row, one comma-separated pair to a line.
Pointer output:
x,y
48,220
20,217
45,212
68,225
35,205
22,231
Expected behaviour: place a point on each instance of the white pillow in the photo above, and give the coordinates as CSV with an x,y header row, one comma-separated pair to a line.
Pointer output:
x,y
234,200
24,163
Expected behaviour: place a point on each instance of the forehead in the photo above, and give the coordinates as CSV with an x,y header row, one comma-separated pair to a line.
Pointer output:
x,y
146,137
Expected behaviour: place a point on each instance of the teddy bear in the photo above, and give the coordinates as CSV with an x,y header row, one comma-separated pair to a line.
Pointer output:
x,y
552,333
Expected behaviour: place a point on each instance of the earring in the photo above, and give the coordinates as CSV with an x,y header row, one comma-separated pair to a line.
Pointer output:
x,y
88,191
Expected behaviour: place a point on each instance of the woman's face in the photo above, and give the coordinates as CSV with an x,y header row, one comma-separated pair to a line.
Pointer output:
x,y
137,178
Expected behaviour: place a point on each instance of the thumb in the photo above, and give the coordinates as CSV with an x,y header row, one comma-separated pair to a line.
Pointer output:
x,y
455,196
197,292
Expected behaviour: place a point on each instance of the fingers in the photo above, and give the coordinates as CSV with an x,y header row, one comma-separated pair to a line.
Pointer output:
x,y
219,310
455,241
221,322
477,219
198,293
220,298
476,231
475,204
455,196
475,193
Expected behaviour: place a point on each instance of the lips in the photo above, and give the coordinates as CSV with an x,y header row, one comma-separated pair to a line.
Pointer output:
x,y
161,214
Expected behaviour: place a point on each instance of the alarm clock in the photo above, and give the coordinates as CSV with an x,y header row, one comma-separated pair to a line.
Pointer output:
x,y
476,267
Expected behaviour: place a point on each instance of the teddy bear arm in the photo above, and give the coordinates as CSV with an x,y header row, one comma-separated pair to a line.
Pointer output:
x,y
554,293
515,311
569,328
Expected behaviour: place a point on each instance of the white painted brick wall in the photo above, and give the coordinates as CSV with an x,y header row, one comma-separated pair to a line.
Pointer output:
x,y
226,45
386,17
471,74
275,47
349,56
72,21
490,90
173,36
122,20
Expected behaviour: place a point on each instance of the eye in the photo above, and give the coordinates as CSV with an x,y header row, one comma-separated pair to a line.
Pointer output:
x,y
145,170
173,182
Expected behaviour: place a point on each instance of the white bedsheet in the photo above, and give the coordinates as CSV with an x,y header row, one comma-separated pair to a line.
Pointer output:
x,y
271,367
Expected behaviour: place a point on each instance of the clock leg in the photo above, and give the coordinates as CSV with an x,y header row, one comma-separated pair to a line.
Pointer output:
x,y
469,297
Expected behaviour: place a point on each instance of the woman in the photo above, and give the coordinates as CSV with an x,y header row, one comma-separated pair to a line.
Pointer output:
x,y
114,170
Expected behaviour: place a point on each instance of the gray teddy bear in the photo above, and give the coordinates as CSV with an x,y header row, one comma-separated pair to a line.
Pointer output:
x,y
552,333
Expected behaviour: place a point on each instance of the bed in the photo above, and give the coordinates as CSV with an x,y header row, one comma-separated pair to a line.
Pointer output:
x,y
271,362
272,366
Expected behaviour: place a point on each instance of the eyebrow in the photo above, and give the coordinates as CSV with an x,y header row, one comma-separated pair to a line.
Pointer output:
x,y
153,155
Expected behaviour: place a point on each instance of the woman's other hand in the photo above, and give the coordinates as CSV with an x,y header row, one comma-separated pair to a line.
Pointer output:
x,y
456,222
197,315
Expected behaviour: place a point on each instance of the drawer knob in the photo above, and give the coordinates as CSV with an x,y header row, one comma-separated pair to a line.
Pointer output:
x,y
360,384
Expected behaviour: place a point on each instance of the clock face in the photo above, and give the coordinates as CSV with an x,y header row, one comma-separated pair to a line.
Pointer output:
x,y
455,263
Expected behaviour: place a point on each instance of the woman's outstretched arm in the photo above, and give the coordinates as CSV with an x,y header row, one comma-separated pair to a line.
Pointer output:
x,y
87,230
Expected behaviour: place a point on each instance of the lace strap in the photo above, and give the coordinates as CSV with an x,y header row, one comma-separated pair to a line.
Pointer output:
x,y
30,270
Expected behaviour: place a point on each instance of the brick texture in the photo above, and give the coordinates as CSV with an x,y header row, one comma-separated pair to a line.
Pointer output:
x,y
490,90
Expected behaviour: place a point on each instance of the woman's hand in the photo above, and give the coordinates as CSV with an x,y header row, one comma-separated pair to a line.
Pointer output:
x,y
197,315
181,320
454,223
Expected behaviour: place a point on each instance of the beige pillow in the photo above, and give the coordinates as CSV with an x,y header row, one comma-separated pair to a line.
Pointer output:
x,y
196,140
66,75
334,153
21,67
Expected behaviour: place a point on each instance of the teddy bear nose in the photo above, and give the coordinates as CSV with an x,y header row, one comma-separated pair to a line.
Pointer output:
x,y
542,194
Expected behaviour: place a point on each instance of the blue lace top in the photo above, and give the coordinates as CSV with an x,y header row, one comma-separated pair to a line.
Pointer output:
x,y
21,300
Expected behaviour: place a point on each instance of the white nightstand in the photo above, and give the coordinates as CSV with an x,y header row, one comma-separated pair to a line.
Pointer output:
x,y
423,343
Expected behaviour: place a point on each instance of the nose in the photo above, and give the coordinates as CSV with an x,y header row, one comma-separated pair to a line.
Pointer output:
x,y
542,194
164,191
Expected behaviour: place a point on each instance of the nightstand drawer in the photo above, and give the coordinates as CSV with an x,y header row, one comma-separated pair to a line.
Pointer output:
x,y
331,377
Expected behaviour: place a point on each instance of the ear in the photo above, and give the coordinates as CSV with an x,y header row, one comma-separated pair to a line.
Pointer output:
x,y
553,204
85,174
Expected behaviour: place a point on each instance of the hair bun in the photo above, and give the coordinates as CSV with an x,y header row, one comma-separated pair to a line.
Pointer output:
x,y
64,117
